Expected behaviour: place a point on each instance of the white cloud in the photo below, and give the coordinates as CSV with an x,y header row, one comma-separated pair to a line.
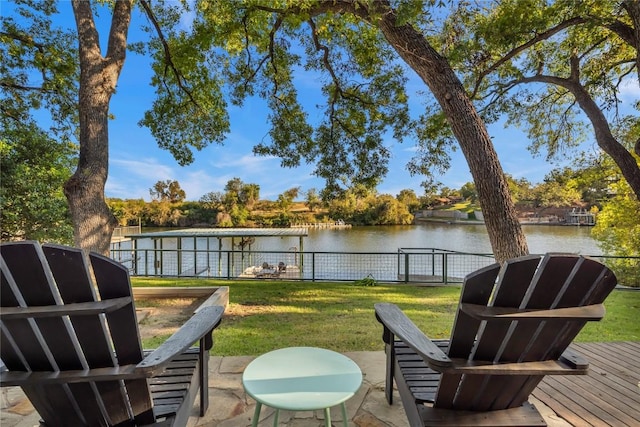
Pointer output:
x,y
246,162
199,182
146,168
132,179
410,148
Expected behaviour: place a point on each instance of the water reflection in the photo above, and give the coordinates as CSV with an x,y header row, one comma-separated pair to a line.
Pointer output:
x,y
464,238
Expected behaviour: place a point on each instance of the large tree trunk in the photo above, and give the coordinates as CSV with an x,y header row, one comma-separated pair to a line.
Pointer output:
x,y
93,222
505,233
624,159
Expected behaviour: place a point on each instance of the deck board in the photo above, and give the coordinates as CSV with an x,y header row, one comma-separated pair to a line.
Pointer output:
x,y
609,395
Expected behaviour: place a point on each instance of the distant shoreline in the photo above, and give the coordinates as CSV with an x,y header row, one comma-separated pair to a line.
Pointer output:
x,y
478,222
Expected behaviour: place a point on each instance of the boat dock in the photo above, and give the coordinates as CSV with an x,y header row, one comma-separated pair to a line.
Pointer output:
x,y
322,225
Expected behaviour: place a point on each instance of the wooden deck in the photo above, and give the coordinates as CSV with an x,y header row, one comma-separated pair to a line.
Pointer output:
x,y
609,395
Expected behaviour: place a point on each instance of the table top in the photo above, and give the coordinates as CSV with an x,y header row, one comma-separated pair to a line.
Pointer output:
x,y
302,378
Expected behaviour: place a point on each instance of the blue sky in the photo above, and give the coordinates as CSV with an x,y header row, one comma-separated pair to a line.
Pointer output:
x,y
137,163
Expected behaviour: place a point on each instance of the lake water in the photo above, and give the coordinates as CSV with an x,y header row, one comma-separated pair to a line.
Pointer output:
x,y
455,237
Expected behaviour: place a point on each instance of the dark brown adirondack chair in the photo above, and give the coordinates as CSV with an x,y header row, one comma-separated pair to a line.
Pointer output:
x,y
78,357
513,325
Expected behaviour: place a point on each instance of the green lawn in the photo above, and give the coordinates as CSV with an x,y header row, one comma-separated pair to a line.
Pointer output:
x,y
265,315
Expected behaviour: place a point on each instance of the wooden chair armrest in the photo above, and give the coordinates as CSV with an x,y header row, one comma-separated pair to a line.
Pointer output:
x,y
402,327
72,309
584,313
561,366
197,327
22,378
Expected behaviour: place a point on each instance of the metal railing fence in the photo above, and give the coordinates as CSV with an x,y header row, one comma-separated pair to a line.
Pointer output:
x,y
406,265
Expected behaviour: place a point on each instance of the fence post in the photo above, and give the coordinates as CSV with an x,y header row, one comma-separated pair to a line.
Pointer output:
x,y
208,257
179,255
433,262
195,263
134,256
195,257
445,273
406,267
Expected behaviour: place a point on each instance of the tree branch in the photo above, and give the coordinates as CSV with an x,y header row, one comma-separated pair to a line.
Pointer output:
x,y
543,78
593,47
624,31
325,55
247,48
28,40
89,46
272,42
514,52
329,67
167,52
117,43
575,68
625,74
633,10
25,88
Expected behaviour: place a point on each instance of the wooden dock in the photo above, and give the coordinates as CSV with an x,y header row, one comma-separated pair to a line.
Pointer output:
x,y
322,225
609,395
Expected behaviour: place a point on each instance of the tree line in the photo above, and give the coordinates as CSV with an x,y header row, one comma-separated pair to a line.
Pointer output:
x,y
240,205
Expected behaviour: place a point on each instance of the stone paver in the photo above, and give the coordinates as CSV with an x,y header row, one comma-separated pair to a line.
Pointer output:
x,y
229,406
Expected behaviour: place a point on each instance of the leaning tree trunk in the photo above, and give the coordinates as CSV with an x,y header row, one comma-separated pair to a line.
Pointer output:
x,y
628,165
93,222
505,233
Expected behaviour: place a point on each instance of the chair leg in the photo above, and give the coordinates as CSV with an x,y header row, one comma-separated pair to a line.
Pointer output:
x,y
327,417
391,363
204,378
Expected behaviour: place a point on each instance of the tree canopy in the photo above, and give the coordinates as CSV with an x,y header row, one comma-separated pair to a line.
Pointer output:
x,y
39,69
33,168
167,191
360,53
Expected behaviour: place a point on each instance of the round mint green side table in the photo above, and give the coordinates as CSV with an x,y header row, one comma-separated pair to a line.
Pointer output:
x,y
301,379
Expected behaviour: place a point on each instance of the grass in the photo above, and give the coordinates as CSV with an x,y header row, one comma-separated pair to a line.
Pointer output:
x,y
265,315
465,206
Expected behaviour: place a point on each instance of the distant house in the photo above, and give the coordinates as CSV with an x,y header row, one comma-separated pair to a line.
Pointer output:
x,y
439,213
577,216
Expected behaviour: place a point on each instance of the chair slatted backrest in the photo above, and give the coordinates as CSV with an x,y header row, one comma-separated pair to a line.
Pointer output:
x,y
531,282
53,276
